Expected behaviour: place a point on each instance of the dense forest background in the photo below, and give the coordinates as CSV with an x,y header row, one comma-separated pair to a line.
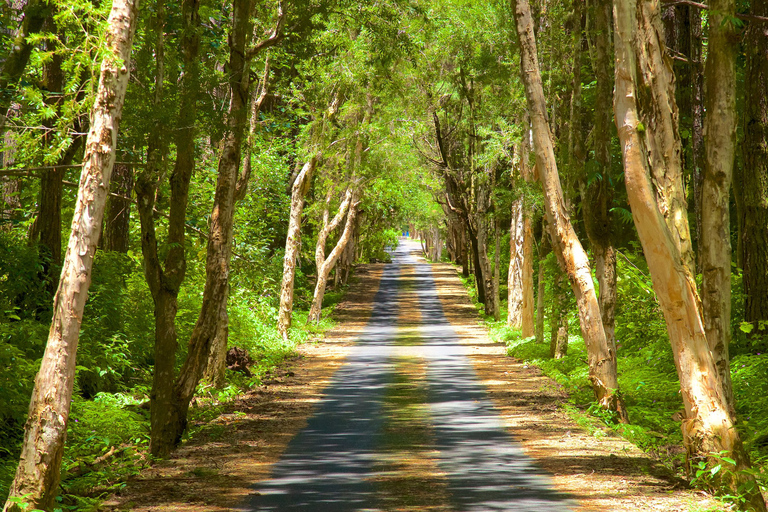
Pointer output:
x,y
380,117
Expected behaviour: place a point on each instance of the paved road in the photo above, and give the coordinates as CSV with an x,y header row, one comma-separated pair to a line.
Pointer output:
x,y
329,466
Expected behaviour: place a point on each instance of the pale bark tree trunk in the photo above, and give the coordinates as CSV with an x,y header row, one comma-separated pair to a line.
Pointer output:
x,y
216,368
329,226
293,245
37,476
651,154
720,147
327,265
570,253
515,274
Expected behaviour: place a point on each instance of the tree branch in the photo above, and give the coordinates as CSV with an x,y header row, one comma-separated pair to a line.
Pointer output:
x,y
274,37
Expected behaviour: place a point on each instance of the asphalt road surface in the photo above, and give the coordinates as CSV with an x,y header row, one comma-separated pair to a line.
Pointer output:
x,y
331,464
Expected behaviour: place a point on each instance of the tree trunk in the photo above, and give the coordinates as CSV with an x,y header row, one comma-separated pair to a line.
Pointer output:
x,y
515,274
324,270
293,245
118,216
720,146
544,250
216,368
754,239
219,250
164,280
558,341
570,253
651,154
37,476
496,265
598,194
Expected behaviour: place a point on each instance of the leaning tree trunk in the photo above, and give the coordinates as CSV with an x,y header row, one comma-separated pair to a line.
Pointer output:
x,y
754,239
328,227
219,249
720,148
651,154
325,268
216,368
292,246
37,476
570,253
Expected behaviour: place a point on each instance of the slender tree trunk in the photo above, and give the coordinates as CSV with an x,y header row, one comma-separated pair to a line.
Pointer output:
x,y
570,253
720,146
496,265
118,217
219,250
754,239
164,280
293,245
558,341
651,154
598,194
544,250
216,368
327,265
515,274
37,476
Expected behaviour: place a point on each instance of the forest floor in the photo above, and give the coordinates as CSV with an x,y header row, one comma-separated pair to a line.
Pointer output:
x,y
234,456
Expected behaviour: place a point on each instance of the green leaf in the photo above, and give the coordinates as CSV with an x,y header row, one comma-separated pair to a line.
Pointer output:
x,y
715,470
746,327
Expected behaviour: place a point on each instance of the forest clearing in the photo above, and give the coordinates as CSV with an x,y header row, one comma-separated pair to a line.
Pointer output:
x,y
238,227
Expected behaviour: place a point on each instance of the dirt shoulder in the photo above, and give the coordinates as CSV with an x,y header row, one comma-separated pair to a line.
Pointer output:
x,y
217,469
603,471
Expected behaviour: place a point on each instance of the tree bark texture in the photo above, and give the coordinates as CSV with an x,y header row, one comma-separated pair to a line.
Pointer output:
x,y
324,269
558,341
520,298
646,120
570,253
216,368
37,476
219,251
515,273
598,194
544,249
720,147
117,220
754,235
293,245
165,278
